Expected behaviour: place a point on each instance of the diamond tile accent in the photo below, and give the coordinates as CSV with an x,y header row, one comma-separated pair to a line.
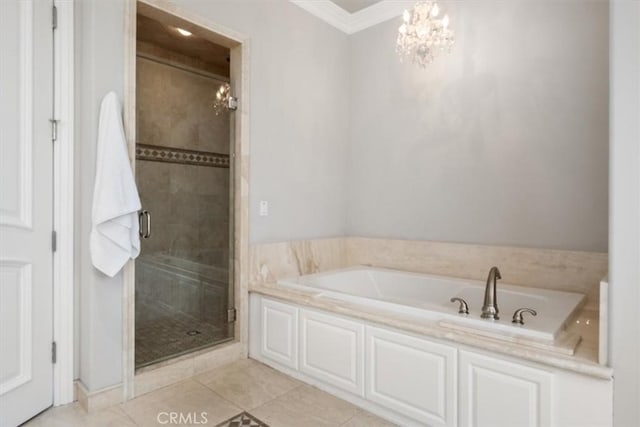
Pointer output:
x,y
243,419
156,153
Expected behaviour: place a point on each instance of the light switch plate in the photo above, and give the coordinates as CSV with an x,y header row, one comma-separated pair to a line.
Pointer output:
x,y
264,208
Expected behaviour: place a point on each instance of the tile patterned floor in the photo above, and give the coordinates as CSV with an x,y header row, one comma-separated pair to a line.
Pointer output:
x,y
222,395
171,335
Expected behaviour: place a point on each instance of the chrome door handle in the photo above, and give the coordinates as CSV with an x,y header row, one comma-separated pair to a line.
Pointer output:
x,y
146,224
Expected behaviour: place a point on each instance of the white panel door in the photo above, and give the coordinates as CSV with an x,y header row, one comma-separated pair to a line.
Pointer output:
x,y
280,333
331,350
496,393
26,371
411,376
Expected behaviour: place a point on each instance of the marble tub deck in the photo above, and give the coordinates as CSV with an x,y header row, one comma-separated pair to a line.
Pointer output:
x,y
245,385
585,323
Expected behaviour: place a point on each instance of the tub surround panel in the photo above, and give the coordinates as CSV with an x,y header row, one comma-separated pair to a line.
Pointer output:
x,y
569,271
539,268
273,261
603,322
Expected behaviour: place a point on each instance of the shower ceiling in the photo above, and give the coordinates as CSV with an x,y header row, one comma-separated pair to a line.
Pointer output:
x,y
211,56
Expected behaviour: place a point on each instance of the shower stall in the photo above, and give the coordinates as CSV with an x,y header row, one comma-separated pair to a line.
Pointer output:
x,y
183,279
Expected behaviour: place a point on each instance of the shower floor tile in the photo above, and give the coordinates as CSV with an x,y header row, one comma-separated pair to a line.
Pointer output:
x,y
172,335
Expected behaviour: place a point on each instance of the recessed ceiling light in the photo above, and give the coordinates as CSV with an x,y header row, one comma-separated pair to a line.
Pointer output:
x,y
184,32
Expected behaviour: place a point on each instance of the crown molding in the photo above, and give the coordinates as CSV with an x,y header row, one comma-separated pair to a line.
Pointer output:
x,y
328,11
351,23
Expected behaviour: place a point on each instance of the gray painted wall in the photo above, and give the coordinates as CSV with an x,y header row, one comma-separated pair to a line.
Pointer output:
x,y
99,69
299,134
504,141
299,116
624,259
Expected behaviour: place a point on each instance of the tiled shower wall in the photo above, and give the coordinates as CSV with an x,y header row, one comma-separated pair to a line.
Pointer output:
x,y
189,204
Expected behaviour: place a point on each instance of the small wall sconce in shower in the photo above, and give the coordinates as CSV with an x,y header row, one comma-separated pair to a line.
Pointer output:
x,y
224,101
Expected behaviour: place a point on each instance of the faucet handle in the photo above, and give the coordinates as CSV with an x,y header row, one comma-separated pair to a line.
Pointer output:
x,y
519,314
464,307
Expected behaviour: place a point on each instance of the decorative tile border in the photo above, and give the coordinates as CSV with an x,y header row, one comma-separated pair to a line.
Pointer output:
x,y
156,153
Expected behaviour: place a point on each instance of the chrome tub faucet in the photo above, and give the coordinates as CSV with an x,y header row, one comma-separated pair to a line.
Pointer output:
x,y
490,306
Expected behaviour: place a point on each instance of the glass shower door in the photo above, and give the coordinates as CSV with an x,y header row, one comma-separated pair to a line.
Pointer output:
x,y
183,274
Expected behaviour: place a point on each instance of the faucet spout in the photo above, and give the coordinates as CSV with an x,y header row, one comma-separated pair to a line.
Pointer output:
x,y
490,305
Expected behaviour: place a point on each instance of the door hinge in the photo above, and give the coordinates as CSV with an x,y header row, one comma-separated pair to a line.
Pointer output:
x,y
231,315
54,241
54,352
54,17
54,129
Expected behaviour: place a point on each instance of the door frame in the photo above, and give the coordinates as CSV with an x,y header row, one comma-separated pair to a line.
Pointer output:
x,y
239,45
63,204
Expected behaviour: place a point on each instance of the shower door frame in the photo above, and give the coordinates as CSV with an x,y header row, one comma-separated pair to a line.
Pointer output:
x,y
238,44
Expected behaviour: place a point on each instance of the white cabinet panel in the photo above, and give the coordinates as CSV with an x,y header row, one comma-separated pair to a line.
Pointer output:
x,y
413,380
280,333
414,377
331,350
496,393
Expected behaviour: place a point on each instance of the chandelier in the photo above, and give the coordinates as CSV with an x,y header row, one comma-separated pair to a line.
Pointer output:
x,y
423,34
221,103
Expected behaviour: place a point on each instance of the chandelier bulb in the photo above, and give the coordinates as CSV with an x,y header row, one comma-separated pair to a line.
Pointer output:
x,y
423,35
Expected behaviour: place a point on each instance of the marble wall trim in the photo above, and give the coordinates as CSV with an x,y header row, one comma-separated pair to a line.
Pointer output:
x,y
272,261
156,153
571,271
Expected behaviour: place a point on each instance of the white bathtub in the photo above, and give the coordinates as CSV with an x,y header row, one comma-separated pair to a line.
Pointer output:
x,y
428,296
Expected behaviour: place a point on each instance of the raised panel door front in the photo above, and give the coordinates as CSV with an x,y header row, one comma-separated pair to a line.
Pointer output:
x,y
280,333
414,377
26,205
496,393
331,350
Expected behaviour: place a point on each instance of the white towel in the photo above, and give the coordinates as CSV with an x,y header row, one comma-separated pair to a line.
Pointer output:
x,y
114,232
